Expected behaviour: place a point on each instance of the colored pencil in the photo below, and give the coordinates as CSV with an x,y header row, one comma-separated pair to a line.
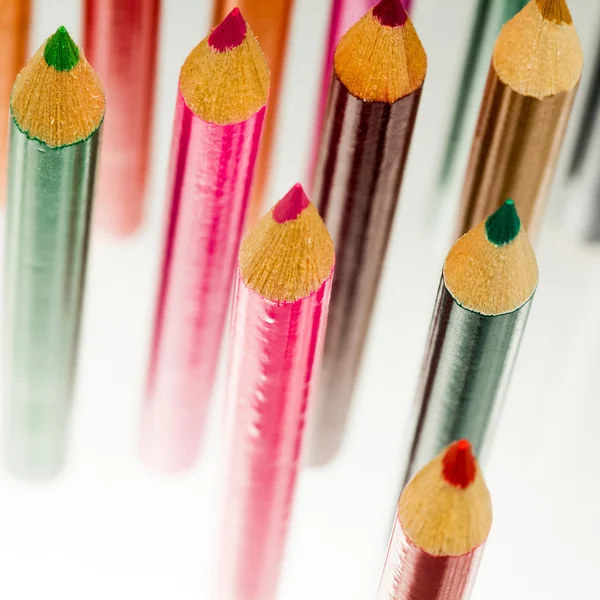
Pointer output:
x,y
489,279
582,186
379,70
270,21
488,19
223,89
536,66
14,32
442,523
57,108
344,13
121,40
280,310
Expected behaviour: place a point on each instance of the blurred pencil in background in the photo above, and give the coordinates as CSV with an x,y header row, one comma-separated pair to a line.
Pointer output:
x,y
488,19
14,32
582,186
379,70
57,108
443,520
121,41
270,22
280,310
488,282
223,90
536,67
344,13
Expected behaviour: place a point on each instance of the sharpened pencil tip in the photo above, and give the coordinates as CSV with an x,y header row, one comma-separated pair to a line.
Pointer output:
x,y
503,226
390,13
61,51
230,33
291,205
459,465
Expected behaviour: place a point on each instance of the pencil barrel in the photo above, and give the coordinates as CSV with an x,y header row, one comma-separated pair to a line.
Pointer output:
x,y
514,153
410,572
121,43
210,179
362,159
49,205
465,375
275,353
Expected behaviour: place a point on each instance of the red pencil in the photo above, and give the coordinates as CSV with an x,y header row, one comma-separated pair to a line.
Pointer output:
x,y
443,520
121,41
223,89
281,300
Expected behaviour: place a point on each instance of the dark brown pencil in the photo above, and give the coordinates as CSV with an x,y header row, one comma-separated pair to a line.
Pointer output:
x,y
379,70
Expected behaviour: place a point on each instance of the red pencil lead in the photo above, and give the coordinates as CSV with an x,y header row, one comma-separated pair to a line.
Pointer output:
x,y
291,205
459,464
230,33
390,13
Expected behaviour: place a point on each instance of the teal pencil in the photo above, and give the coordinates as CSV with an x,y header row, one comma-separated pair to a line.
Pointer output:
x,y
57,108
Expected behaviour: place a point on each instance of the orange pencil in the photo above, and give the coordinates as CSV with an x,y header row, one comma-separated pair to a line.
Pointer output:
x,y
14,29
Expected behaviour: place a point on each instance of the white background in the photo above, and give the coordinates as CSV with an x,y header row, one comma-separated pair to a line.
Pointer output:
x,y
108,528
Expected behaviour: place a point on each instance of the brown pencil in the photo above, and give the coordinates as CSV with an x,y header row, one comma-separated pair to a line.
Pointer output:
x,y
536,66
379,70
269,20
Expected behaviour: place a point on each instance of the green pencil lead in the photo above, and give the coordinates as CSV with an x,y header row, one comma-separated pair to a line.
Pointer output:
x,y
503,226
61,52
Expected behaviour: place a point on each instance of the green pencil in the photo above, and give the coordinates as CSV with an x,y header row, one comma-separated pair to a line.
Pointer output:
x,y
57,107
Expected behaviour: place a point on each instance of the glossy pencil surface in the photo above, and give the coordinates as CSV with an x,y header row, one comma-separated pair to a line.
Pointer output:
x,y
443,520
479,317
121,41
279,316
365,144
51,183
270,22
524,114
218,122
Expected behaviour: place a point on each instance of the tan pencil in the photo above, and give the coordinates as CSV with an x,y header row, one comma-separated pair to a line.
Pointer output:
x,y
535,71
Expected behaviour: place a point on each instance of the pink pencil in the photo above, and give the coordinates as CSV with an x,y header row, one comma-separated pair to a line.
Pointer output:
x,y
344,13
223,89
281,299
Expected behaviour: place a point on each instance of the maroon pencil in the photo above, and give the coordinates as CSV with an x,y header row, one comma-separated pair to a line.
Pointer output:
x,y
379,70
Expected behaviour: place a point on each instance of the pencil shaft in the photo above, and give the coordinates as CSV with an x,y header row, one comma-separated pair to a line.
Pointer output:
x,y
49,207
514,153
410,573
362,159
275,356
465,375
121,42
210,179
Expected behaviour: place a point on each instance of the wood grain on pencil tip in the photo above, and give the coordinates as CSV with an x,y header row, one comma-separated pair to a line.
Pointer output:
x,y
447,517
538,53
397,67
225,79
288,254
56,72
